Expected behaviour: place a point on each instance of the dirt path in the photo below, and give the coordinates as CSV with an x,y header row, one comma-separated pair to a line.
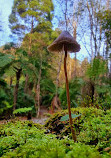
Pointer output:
x,y
35,120
40,121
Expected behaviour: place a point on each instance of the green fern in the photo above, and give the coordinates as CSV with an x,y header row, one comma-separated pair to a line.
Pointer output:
x,y
5,59
22,110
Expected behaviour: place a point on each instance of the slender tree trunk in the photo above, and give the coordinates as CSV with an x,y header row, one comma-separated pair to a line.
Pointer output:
x,y
100,37
26,88
37,98
74,34
108,4
32,25
18,74
66,20
75,66
57,79
91,43
30,43
92,97
26,83
36,101
94,31
110,68
68,98
92,90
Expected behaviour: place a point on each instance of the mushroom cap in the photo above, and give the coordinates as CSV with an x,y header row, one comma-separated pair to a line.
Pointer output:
x,y
66,40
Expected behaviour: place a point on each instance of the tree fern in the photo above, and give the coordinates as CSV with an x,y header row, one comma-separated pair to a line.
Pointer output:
x,y
5,59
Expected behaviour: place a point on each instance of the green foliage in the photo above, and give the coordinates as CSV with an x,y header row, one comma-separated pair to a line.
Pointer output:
x,y
103,102
5,109
48,90
66,117
105,20
93,126
26,12
25,139
22,110
74,91
5,99
31,65
24,100
85,113
96,90
96,68
6,60
97,131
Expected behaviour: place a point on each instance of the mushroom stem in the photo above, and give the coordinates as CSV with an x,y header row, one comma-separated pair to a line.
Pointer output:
x,y
68,97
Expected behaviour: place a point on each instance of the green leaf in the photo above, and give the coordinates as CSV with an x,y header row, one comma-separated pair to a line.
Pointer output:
x,y
66,117
22,110
5,59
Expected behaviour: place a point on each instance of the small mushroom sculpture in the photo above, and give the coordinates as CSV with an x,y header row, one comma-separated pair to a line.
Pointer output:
x,y
67,43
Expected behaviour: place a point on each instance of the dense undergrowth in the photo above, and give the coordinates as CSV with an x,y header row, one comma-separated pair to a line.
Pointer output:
x,y
93,127
29,140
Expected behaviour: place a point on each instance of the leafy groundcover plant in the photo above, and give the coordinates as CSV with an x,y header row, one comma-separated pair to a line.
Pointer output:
x,y
93,127
27,140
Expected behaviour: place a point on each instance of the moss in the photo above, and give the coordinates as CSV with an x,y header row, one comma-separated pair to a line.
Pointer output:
x,y
22,140
92,127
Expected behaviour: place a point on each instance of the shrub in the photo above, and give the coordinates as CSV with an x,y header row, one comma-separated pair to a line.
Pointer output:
x,y
74,89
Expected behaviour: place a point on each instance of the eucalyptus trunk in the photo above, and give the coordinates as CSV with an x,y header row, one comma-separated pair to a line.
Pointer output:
x,y
37,93
57,80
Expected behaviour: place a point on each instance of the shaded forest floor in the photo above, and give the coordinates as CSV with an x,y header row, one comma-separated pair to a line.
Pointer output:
x,y
41,120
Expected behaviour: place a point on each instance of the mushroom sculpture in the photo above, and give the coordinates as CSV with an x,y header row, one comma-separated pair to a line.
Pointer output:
x,y
67,43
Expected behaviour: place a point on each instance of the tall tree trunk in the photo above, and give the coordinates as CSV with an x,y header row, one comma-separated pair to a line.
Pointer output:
x,y
92,91
37,97
74,34
75,66
26,83
70,69
57,79
18,74
29,53
110,67
108,4
66,20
